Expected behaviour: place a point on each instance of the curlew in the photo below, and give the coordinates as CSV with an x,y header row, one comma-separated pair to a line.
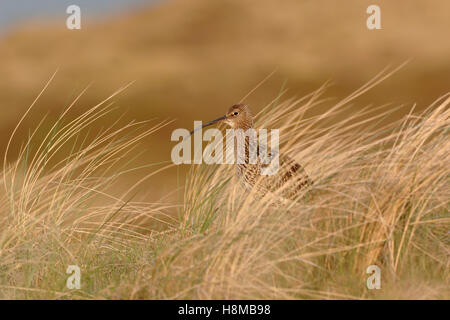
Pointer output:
x,y
289,181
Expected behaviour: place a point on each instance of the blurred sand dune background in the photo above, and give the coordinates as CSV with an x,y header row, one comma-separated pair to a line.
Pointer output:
x,y
190,60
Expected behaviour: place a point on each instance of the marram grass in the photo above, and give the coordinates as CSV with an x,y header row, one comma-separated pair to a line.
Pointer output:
x,y
381,197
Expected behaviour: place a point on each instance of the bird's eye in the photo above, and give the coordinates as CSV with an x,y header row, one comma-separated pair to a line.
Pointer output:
x,y
235,113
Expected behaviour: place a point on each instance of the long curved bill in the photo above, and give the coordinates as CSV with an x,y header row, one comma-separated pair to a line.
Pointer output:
x,y
208,124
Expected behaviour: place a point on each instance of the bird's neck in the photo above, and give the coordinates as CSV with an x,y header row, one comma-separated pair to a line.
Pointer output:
x,y
242,135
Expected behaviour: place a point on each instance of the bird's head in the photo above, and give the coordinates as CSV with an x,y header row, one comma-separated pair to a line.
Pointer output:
x,y
237,117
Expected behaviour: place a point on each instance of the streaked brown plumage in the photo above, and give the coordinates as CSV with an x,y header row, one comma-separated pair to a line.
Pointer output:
x,y
290,179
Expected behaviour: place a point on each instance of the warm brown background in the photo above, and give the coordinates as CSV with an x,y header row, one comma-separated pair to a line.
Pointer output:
x,y
192,59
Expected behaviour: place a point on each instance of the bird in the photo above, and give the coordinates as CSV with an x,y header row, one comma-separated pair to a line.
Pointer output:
x,y
291,179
